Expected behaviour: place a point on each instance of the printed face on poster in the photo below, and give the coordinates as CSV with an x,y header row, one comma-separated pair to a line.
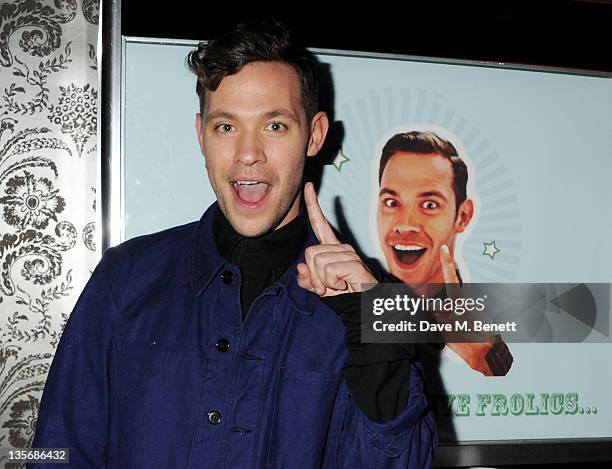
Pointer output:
x,y
535,146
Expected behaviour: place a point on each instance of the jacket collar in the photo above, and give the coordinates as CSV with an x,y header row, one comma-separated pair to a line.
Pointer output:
x,y
207,262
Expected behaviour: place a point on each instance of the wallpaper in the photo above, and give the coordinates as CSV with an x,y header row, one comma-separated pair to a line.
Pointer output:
x,y
48,119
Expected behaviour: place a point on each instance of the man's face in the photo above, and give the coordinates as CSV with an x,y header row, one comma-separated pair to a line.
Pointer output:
x,y
416,215
254,136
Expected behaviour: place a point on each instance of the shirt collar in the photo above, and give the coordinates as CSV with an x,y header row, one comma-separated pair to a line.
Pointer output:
x,y
278,246
207,262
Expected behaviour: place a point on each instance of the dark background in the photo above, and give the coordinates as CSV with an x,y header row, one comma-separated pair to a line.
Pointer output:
x,y
560,33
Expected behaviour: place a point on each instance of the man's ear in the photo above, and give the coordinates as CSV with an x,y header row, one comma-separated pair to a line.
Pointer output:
x,y
318,131
464,215
199,131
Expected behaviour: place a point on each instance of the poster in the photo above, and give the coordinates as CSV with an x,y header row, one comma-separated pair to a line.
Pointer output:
x,y
537,149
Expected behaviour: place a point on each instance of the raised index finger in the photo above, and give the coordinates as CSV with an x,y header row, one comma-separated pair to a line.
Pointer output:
x,y
448,266
321,227
451,279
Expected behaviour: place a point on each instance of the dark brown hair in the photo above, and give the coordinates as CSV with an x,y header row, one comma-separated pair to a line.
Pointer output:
x,y
424,143
255,41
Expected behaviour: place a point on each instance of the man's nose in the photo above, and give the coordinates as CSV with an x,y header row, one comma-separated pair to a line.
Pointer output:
x,y
408,222
250,149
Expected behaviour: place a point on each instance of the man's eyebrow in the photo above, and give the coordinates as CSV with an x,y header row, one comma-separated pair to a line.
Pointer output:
x,y
281,113
219,115
386,190
266,115
433,194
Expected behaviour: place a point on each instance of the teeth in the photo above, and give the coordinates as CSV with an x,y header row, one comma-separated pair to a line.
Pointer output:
x,y
246,183
408,247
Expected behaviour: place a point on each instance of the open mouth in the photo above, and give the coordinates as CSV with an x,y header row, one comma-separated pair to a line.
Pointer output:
x,y
251,192
408,254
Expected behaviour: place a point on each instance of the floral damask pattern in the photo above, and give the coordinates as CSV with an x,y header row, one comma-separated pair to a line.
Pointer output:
x,y
31,201
89,236
40,22
91,10
33,94
48,99
76,113
22,424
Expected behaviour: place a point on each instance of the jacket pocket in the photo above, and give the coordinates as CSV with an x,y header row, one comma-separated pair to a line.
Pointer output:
x,y
304,401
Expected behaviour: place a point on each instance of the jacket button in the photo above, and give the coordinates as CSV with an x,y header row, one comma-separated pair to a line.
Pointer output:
x,y
214,417
227,276
223,345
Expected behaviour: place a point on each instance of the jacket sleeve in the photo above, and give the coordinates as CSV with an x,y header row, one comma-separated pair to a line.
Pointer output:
x,y
407,441
377,375
74,411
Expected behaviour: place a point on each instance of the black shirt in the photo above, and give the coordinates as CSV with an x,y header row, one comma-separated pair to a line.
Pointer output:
x,y
262,260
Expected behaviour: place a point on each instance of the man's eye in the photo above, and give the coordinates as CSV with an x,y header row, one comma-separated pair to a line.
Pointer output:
x,y
430,205
276,127
390,203
224,128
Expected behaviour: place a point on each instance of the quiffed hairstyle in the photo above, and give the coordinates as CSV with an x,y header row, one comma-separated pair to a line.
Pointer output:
x,y
426,143
261,41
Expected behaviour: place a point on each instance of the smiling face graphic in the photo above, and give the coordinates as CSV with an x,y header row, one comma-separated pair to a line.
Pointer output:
x,y
416,215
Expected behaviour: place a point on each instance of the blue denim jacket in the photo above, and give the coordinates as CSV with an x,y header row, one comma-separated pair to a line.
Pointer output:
x,y
156,369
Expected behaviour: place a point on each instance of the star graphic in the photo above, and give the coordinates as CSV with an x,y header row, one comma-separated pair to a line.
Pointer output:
x,y
490,249
340,159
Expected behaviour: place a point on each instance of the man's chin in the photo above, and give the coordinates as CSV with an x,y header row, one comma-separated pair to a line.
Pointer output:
x,y
417,281
246,222
251,228
412,278
409,278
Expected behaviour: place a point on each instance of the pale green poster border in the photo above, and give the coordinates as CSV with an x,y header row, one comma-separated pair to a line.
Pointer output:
x,y
174,139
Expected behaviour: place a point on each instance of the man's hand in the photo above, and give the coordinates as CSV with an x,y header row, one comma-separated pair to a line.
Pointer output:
x,y
331,268
473,353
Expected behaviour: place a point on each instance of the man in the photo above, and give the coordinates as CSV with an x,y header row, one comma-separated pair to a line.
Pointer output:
x,y
422,206
212,344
